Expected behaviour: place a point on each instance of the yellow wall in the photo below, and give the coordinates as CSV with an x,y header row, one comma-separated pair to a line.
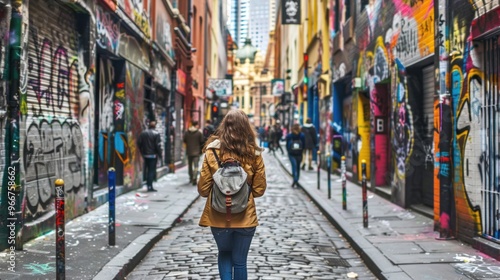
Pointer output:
x,y
364,132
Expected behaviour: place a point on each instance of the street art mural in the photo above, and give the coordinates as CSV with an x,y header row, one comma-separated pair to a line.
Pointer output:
x,y
108,87
390,35
474,78
139,12
163,30
134,116
108,30
56,114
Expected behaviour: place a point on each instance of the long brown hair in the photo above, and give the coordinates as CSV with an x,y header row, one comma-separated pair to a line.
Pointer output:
x,y
296,128
237,136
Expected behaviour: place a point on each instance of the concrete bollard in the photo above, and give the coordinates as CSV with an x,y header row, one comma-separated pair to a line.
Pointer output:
x,y
111,203
343,178
60,234
365,198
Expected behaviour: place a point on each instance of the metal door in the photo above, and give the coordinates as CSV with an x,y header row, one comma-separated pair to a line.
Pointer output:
x,y
428,134
490,119
53,144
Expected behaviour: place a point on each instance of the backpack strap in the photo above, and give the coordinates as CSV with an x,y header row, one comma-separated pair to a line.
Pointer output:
x,y
228,197
216,157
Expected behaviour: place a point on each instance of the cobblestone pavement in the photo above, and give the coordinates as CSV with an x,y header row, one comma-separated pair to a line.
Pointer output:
x,y
294,241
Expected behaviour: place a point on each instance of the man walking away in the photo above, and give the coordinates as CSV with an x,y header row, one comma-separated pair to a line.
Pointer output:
x,y
311,142
149,143
278,134
193,138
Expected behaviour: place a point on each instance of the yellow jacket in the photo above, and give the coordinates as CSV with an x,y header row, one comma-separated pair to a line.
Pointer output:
x,y
257,180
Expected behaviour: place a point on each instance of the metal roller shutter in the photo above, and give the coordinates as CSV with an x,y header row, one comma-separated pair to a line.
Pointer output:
x,y
428,114
53,73
54,141
428,106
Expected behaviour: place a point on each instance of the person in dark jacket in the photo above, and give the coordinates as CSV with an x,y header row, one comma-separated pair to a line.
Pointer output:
x,y
295,142
149,143
193,138
278,134
208,131
311,143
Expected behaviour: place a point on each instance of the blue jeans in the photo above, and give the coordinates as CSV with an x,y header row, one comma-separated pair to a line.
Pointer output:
x,y
233,245
295,162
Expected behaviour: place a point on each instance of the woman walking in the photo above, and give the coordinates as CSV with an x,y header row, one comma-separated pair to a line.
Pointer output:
x,y
235,138
295,142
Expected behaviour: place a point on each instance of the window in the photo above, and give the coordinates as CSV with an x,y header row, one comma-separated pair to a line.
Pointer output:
x,y
347,4
337,16
364,3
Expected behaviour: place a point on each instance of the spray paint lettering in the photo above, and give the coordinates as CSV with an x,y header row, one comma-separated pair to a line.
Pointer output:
x,y
51,150
108,30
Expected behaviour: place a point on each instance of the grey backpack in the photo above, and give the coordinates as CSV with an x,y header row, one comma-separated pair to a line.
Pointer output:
x,y
231,191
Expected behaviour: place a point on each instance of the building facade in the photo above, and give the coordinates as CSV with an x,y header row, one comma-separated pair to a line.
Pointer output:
x,y
406,90
84,79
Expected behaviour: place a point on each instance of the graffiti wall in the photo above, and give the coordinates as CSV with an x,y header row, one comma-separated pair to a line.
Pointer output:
x,y
110,139
108,30
390,37
139,12
474,95
163,29
134,124
121,118
55,103
5,17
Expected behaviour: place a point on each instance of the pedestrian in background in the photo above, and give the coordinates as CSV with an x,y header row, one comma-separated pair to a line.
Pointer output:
x,y
149,143
234,138
262,135
311,143
278,134
271,136
295,142
208,130
193,138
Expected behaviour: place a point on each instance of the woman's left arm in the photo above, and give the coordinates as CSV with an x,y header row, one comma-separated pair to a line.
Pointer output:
x,y
206,181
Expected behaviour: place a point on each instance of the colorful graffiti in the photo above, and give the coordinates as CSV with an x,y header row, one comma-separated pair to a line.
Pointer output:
x,y
402,133
53,142
5,16
108,30
139,12
134,123
53,149
163,30
56,111
108,88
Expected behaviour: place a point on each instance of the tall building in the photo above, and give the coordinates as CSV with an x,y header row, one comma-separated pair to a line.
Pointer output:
x,y
238,20
252,19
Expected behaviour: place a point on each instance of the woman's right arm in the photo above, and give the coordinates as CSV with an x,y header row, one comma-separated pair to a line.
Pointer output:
x,y
206,181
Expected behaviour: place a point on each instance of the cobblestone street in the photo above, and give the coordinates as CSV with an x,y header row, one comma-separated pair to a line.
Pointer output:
x,y
294,241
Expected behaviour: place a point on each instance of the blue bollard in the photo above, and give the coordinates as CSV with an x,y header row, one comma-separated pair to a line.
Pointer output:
x,y
111,202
